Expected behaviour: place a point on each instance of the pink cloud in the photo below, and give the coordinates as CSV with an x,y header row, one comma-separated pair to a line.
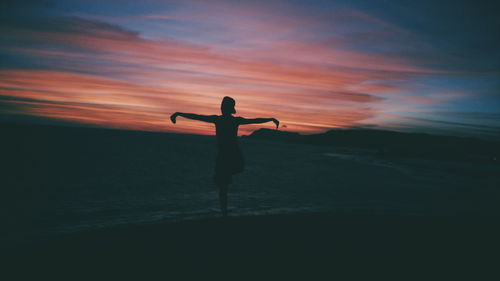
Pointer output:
x,y
310,85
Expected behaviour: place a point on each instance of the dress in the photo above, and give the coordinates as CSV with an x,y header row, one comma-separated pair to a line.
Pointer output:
x,y
229,159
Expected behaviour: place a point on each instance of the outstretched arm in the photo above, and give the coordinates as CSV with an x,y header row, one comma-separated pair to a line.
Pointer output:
x,y
259,120
204,118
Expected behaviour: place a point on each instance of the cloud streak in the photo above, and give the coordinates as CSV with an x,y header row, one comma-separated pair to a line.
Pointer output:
x,y
310,72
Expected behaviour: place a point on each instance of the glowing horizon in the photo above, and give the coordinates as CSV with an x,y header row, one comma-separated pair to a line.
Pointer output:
x,y
313,69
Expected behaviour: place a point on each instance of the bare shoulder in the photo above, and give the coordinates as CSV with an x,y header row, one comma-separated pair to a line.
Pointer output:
x,y
239,119
214,118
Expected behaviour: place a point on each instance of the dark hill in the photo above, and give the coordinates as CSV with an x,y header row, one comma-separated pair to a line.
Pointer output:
x,y
394,143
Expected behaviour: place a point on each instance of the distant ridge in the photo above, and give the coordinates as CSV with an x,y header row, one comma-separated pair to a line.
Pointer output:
x,y
394,143
388,143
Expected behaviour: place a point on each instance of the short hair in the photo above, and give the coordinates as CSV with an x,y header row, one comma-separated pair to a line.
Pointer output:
x,y
227,105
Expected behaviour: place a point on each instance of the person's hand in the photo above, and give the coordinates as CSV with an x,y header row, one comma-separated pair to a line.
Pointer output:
x,y
173,116
275,121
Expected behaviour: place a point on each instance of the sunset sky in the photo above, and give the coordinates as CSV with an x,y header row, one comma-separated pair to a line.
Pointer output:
x,y
414,66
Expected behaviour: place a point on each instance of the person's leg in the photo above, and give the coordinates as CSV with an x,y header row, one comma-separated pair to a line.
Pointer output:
x,y
223,199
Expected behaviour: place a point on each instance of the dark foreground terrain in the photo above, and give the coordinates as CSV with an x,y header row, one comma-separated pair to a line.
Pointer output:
x,y
96,204
306,246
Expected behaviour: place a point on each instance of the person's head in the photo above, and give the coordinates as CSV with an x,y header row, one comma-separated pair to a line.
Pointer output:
x,y
227,106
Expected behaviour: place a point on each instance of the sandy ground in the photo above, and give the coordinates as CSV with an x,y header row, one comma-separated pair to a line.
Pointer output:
x,y
406,247
129,204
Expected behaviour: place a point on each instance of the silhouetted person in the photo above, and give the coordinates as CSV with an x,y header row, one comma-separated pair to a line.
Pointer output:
x,y
229,157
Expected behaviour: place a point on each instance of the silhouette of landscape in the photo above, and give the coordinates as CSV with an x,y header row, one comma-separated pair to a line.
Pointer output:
x,y
341,196
352,140
390,143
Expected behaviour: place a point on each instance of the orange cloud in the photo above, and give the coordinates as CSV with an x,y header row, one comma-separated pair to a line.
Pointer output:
x,y
101,74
